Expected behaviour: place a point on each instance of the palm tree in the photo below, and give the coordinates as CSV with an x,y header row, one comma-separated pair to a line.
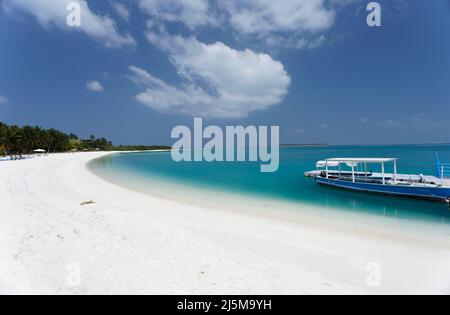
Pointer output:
x,y
12,140
3,128
57,141
16,141
31,138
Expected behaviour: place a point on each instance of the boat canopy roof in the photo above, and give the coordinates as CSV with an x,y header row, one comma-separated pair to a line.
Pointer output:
x,y
325,163
362,160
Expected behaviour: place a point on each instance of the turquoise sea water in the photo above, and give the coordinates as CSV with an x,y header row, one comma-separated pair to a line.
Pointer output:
x,y
288,183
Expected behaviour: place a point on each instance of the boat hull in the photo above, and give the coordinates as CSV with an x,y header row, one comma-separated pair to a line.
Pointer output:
x,y
427,193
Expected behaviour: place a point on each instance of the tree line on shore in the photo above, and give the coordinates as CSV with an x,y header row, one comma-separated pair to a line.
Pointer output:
x,y
17,141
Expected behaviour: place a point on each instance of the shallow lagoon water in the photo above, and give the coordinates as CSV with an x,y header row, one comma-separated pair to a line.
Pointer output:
x,y
288,183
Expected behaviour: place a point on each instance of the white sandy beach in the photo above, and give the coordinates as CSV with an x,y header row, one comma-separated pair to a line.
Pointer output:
x,y
133,243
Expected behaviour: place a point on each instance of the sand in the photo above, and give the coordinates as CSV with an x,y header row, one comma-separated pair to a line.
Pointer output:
x,y
128,242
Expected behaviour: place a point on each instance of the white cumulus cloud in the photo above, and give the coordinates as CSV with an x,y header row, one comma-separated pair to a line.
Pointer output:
x,y
94,86
290,23
54,13
218,81
266,16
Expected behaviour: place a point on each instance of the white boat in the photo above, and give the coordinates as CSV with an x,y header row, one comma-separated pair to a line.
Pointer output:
x,y
329,173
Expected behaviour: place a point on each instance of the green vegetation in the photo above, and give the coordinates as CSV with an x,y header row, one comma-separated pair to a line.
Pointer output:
x,y
16,141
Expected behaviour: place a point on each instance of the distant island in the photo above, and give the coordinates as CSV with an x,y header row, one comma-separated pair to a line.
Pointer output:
x,y
17,141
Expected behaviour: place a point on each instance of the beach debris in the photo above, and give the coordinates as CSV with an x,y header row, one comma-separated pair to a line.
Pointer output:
x,y
85,203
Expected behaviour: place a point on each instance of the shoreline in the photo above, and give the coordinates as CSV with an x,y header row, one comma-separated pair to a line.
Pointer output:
x,y
339,220
130,242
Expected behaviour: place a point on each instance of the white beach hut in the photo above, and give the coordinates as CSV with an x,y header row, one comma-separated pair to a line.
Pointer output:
x,y
39,152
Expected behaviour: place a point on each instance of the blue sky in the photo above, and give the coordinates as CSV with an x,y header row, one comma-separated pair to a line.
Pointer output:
x,y
135,69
